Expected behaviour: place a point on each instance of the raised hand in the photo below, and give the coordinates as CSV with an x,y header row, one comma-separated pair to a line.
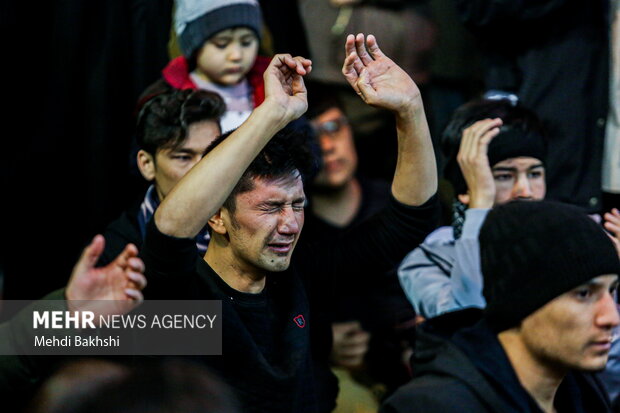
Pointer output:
x,y
376,78
284,84
120,282
474,162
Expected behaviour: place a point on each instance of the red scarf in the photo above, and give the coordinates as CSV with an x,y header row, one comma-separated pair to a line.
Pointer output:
x,y
176,74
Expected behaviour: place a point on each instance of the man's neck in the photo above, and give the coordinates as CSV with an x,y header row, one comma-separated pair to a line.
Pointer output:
x,y
237,276
340,206
540,380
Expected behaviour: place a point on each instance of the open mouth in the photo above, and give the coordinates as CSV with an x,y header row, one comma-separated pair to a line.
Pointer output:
x,y
280,247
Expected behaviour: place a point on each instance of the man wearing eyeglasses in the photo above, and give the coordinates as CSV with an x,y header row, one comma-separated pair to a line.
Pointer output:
x,y
340,198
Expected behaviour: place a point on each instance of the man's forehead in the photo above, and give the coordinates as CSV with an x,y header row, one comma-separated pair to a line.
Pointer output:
x,y
287,187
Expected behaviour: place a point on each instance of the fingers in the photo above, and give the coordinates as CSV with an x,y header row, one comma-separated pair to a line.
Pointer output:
x,y
136,282
477,137
128,252
360,48
287,64
134,268
96,246
137,279
474,162
352,64
349,45
136,264
361,52
373,47
134,295
483,131
306,63
90,254
612,222
298,64
366,91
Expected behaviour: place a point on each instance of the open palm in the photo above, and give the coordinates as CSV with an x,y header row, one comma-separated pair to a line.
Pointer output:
x,y
375,77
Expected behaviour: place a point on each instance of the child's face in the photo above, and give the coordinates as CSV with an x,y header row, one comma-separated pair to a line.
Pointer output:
x,y
228,56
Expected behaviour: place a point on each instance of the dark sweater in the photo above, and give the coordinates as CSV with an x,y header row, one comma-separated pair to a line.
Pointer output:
x,y
383,362
293,377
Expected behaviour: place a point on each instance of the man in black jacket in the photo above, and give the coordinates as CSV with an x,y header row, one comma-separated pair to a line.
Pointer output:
x,y
276,336
550,276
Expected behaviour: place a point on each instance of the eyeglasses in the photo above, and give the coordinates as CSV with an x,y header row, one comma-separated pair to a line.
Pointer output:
x,y
331,127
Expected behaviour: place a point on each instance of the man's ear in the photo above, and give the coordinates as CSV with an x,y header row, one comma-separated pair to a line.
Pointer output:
x,y
464,198
146,164
217,223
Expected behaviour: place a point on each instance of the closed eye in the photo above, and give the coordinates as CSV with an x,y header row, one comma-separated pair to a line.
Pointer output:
x,y
220,43
248,41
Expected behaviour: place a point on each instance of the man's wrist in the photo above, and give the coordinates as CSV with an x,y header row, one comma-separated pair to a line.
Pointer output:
x,y
410,111
274,113
484,202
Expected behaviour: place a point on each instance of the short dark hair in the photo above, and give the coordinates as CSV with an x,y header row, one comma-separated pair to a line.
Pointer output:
x,y
164,118
321,98
514,116
288,152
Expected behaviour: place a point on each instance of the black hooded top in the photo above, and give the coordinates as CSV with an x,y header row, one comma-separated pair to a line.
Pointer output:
x,y
470,372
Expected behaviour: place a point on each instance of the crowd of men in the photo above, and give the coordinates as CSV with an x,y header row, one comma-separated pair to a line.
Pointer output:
x,y
515,301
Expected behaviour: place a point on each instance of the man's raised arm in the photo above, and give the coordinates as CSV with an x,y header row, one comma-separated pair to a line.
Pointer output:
x,y
205,188
381,83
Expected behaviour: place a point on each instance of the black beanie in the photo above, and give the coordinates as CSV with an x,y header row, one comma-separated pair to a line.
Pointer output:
x,y
533,251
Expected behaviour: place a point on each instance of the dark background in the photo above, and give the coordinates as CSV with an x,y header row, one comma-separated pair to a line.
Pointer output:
x,y
72,72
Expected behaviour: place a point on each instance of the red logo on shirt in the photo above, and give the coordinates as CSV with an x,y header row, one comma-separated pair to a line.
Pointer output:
x,y
300,321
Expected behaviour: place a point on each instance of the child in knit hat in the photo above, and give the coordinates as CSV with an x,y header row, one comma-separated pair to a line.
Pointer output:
x,y
219,40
